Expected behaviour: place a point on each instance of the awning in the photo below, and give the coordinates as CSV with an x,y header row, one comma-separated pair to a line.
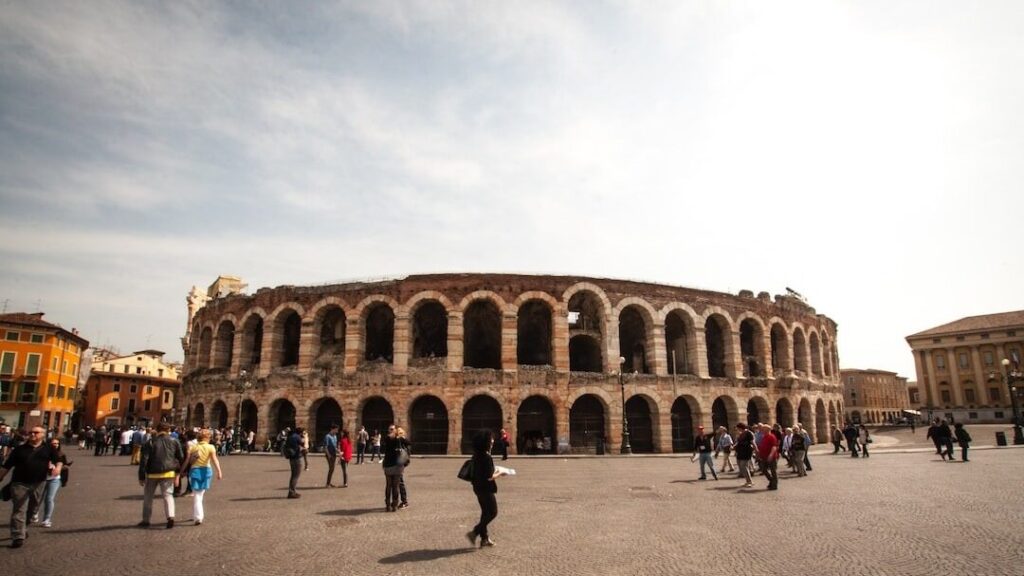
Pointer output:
x,y
914,412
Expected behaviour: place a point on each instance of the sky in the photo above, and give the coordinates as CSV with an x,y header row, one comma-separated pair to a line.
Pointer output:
x,y
866,154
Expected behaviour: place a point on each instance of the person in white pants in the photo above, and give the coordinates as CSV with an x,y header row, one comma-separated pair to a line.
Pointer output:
x,y
203,461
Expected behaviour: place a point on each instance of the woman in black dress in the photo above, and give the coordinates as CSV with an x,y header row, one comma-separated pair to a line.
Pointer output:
x,y
484,487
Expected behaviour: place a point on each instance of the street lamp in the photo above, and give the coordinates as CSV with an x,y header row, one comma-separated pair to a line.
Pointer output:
x,y
626,448
1012,378
241,385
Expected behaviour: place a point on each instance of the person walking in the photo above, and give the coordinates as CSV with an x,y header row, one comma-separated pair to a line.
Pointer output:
x,y
305,449
837,440
54,481
704,451
963,439
798,449
160,460
485,487
292,450
250,442
768,454
393,469
933,434
865,438
744,452
202,461
33,462
724,446
375,446
344,457
331,453
946,440
362,437
504,438
850,433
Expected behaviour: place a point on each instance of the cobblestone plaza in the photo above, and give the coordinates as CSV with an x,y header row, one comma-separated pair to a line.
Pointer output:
x,y
902,511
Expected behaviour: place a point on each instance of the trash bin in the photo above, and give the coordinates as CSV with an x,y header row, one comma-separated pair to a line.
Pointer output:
x,y
1000,438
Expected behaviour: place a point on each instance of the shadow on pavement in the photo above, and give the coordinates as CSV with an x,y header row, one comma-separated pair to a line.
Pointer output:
x,y
98,529
133,497
259,499
424,555
352,512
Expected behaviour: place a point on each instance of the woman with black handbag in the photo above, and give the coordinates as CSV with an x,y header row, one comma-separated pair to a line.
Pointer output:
x,y
393,468
484,487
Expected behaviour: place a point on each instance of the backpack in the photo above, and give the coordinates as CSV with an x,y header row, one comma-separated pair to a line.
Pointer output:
x,y
289,451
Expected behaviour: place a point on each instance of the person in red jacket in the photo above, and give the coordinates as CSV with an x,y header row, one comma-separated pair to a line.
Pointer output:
x,y
768,454
344,457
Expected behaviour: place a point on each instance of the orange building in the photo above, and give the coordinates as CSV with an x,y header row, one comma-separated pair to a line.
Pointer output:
x,y
125,390
39,368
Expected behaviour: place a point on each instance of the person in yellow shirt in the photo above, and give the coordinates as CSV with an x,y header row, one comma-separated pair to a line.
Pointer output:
x,y
203,460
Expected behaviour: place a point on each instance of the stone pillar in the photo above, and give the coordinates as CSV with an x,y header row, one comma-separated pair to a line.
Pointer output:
x,y
953,365
1004,394
611,355
560,339
307,341
700,348
561,409
455,335
267,349
979,376
766,354
402,343
933,385
354,344
509,342
236,353
733,355
659,361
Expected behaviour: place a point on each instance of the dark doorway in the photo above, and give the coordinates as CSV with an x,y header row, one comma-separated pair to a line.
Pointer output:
x,y
535,422
291,331
584,354
250,421
252,343
480,412
676,347
380,333
719,414
429,423
199,416
682,426
377,416
224,348
332,332
749,348
326,413
784,412
641,432
633,340
713,336
586,425
533,346
430,331
282,415
219,415
482,335
757,411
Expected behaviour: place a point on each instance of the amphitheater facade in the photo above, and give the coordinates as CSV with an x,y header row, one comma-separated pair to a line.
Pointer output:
x,y
554,360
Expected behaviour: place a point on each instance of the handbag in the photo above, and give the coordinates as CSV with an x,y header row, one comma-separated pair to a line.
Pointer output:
x,y
466,472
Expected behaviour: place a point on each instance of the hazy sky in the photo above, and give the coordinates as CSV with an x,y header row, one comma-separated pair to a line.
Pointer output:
x,y
867,154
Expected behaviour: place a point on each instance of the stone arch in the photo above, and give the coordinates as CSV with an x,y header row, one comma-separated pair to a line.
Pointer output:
x,y
680,338
642,416
799,350
219,415
826,344
329,319
536,426
686,416
205,347
535,329
199,416
724,412
820,421
481,326
718,343
752,352
597,291
784,412
250,416
252,326
428,425
779,341
804,415
758,411
588,431
429,328
488,295
588,311
376,414
324,412
636,334
224,343
281,415
815,353
481,411
378,328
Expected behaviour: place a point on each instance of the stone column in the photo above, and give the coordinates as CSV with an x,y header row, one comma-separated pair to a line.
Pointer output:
x,y
925,393
611,355
236,353
700,347
560,339
455,335
509,342
561,409
659,362
766,354
354,344
979,377
1004,394
307,341
953,365
733,355
933,385
267,349
402,343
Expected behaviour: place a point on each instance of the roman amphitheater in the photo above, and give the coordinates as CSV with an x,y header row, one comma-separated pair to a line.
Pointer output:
x,y
554,360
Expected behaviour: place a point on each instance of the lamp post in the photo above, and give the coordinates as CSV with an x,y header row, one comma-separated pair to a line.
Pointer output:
x,y
241,385
626,448
1012,377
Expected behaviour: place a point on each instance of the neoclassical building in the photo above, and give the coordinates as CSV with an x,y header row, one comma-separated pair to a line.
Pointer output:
x,y
555,360
874,396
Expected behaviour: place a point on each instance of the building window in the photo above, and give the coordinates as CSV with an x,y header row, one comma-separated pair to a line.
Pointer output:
x,y
147,405
131,405
51,390
115,403
126,369
32,365
972,415
61,392
959,338
945,396
963,360
149,389
167,397
133,389
138,369
74,369
998,415
936,340
969,395
993,394
54,366
117,387
29,391
984,335
1011,332
37,339
12,336
7,362
940,362
989,358
160,372
5,391
64,367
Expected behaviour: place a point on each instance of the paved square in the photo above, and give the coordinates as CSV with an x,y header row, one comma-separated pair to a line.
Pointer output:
x,y
894,513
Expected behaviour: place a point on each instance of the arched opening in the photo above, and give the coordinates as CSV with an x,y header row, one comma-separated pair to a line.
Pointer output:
x,y
533,342
678,335
821,421
250,419
804,415
199,416
714,337
633,331
535,422
799,351
428,419
219,415
641,430
833,415
377,415
324,413
331,333
584,354
205,345
380,333
480,412
288,332
586,332
430,330
482,332
252,343
282,415
827,356
724,413
750,348
784,412
815,354
586,424
757,411
683,410
780,350
225,343
855,417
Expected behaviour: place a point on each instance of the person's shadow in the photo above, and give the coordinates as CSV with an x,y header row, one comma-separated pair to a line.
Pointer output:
x,y
424,555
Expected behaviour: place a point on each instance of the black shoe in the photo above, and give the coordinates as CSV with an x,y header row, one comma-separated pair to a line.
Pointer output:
x,y
143,524
471,536
403,505
770,487
486,542
170,523
294,495
702,478
17,543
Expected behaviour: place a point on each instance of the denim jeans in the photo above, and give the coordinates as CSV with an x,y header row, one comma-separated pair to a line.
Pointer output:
x,y
52,486
706,458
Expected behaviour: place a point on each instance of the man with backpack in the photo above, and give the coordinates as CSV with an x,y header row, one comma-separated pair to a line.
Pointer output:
x,y
292,450
160,459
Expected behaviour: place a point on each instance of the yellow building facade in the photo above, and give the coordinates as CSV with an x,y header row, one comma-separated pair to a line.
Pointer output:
x,y
40,364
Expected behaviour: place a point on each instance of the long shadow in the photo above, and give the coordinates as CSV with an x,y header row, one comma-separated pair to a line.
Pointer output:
x,y
98,529
352,512
134,497
694,481
424,555
259,499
